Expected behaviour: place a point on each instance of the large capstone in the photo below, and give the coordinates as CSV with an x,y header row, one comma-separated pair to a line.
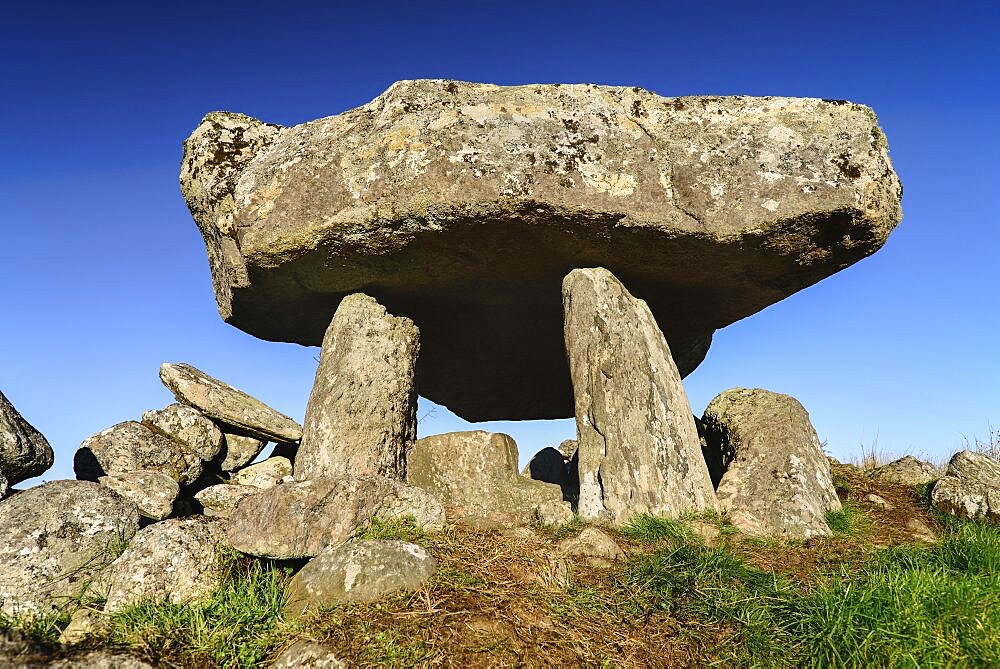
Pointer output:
x,y
638,449
24,452
773,477
462,206
362,411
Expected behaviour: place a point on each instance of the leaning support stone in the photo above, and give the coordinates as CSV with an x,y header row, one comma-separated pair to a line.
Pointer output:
x,y
362,412
638,444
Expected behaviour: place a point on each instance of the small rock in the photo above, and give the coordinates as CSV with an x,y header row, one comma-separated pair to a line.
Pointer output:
x,y
552,513
920,531
24,452
4,485
591,543
707,531
555,573
84,623
880,502
131,446
521,533
176,560
189,427
226,404
568,449
907,471
102,659
304,654
358,571
240,451
219,500
265,474
151,491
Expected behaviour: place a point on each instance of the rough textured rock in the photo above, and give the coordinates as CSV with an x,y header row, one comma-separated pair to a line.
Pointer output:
x,y
131,446
970,487
907,471
463,205
239,451
362,411
638,448
295,520
358,571
101,659
776,480
82,624
55,539
591,543
152,492
24,452
188,426
305,654
226,404
475,474
176,561
265,474
220,500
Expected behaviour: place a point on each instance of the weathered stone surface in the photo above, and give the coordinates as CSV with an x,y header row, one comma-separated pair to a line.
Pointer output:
x,y
463,205
131,446
907,471
970,487
220,500
176,561
55,538
188,426
568,448
638,448
226,404
299,519
24,452
101,659
265,474
82,624
362,411
358,571
776,480
240,451
475,474
305,654
591,543
151,491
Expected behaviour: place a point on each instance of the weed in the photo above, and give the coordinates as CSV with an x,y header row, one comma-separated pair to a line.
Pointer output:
x,y
403,529
43,628
653,529
850,520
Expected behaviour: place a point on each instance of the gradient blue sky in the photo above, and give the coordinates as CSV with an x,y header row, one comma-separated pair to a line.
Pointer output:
x,y
104,275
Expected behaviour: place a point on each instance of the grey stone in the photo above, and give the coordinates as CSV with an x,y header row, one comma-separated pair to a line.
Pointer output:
x,y
83,623
188,426
568,448
56,537
131,446
880,502
974,467
776,479
300,519
226,404
220,500
305,654
548,465
463,205
240,451
24,452
101,659
638,449
475,474
177,561
970,487
362,411
358,571
591,543
907,471
151,491
265,474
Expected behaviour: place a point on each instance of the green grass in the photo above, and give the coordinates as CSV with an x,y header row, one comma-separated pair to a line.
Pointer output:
x,y
386,529
43,629
851,520
652,529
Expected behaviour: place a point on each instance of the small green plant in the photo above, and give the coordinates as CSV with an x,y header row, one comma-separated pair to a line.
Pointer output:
x,y
42,628
653,529
850,520
385,529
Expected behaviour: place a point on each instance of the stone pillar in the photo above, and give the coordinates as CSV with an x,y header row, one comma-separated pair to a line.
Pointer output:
x,y
638,447
362,412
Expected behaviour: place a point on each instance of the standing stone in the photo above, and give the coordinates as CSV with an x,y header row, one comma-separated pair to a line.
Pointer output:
x,y
24,452
188,426
131,446
226,404
638,449
56,537
362,412
153,492
240,451
970,487
776,480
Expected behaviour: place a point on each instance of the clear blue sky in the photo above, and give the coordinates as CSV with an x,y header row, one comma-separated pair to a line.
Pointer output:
x,y
103,273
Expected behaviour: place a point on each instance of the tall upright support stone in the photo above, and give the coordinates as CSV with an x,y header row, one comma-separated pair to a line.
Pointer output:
x,y
362,412
638,444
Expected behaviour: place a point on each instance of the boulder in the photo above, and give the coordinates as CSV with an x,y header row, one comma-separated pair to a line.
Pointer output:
x,y
226,404
56,537
970,487
358,571
189,427
299,519
131,446
24,452
591,543
239,451
305,654
637,444
907,471
475,475
548,465
151,491
776,481
177,561
463,205
362,411
220,500
264,474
